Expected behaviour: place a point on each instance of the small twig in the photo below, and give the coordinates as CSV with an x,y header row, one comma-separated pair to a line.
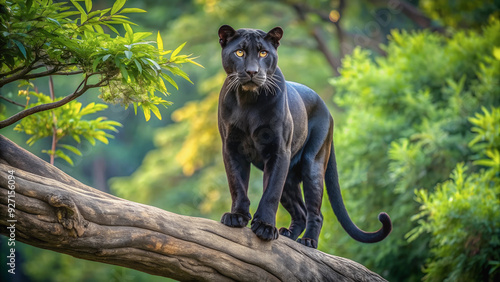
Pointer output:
x,y
54,122
41,74
69,73
11,101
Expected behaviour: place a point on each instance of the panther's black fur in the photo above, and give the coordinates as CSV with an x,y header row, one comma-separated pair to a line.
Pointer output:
x,y
284,129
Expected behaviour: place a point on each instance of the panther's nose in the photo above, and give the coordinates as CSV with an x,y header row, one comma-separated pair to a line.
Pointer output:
x,y
251,73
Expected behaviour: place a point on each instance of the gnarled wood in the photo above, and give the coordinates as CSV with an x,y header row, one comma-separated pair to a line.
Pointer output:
x,y
56,212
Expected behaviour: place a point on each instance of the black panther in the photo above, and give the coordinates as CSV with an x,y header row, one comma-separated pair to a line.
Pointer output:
x,y
284,129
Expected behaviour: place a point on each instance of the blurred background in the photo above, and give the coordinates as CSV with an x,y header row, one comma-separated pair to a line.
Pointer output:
x,y
402,80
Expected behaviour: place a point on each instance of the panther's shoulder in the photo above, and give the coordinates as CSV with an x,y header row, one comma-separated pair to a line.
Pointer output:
x,y
300,92
301,89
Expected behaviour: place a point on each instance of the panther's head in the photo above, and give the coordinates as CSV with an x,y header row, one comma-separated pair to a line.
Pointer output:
x,y
250,58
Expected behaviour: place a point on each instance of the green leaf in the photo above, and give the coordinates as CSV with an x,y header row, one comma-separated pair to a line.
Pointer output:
x,y
71,148
128,54
105,57
66,14
132,10
163,88
139,66
195,63
63,156
112,28
90,139
176,51
127,28
154,63
147,113
78,7
496,53
159,41
96,63
98,29
179,72
88,5
170,80
124,72
54,21
21,48
76,137
117,6
156,111
102,139
103,12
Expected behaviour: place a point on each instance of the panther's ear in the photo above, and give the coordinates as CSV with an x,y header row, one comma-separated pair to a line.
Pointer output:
x,y
274,35
225,33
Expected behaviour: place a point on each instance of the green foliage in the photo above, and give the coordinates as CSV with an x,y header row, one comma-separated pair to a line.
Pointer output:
x,y
405,128
487,129
39,34
461,13
462,214
65,121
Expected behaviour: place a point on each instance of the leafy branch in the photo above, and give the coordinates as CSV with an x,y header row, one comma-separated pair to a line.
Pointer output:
x,y
44,34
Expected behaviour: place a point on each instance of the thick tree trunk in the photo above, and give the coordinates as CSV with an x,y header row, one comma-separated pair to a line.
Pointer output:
x,y
54,211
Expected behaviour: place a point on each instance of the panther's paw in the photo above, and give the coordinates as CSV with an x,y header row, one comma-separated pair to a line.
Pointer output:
x,y
308,242
235,219
285,232
264,231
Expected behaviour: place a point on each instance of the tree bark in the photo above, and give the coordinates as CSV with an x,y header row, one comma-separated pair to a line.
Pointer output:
x,y
54,211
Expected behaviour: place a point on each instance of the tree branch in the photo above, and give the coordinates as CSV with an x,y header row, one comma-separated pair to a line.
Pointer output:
x,y
44,107
302,10
323,48
56,212
48,72
11,101
16,76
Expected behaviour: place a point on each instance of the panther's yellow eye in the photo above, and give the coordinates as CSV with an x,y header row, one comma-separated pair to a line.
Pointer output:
x,y
263,54
239,53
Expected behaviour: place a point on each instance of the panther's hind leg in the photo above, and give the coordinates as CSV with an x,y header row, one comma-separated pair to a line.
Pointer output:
x,y
292,201
314,161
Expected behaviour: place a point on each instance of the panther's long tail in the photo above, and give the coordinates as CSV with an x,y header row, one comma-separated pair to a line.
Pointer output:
x,y
333,190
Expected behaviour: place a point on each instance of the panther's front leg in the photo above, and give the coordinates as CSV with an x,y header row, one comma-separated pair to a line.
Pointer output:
x,y
275,172
238,175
